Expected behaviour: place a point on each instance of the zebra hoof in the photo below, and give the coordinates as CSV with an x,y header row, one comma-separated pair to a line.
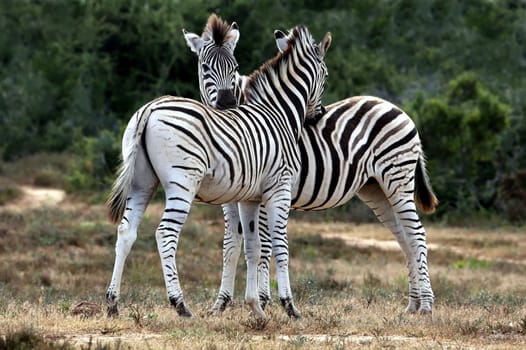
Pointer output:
x,y
220,305
112,311
290,309
256,309
181,308
264,301
413,307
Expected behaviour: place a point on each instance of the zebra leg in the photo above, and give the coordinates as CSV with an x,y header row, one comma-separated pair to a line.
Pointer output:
x,y
374,197
278,211
179,199
231,250
138,200
264,261
405,209
248,212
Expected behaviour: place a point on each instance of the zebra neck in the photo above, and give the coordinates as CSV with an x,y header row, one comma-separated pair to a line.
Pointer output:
x,y
283,88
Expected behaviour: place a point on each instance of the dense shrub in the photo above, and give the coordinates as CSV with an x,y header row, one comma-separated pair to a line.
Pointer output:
x,y
462,136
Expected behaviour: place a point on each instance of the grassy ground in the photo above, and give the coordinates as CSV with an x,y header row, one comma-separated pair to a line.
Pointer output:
x,y
348,280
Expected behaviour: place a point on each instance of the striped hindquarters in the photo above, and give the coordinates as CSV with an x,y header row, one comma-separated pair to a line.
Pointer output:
x,y
358,139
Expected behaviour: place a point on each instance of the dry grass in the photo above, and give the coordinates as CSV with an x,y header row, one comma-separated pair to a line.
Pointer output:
x,y
351,295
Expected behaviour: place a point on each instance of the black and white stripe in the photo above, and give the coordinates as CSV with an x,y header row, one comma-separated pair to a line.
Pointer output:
x,y
247,155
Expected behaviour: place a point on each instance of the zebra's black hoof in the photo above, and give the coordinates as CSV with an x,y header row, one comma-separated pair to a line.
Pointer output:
x,y
264,301
181,308
220,304
290,309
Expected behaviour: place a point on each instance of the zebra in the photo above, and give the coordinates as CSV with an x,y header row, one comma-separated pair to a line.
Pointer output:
x,y
247,155
362,146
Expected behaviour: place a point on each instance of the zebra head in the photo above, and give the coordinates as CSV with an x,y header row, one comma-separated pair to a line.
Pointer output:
x,y
217,66
314,106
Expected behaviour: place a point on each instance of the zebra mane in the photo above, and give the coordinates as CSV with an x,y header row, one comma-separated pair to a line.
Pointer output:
x,y
299,35
217,30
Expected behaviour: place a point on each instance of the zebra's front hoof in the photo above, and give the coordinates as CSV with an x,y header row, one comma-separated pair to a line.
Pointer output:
x,y
290,309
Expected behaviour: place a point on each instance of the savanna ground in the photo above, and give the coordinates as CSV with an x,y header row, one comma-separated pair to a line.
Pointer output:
x,y
349,281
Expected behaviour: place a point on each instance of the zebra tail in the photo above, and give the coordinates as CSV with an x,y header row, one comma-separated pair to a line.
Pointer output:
x,y
116,202
424,196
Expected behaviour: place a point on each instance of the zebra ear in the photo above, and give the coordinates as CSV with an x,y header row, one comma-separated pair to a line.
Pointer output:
x,y
193,41
233,36
281,40
325,43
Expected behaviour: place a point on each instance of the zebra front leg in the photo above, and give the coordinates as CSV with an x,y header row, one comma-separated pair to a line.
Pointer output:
x,y
264,261
178,203
231,250
248,212
278,211
126,236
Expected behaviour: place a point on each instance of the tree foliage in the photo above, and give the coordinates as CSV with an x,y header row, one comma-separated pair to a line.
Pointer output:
x,y
73,71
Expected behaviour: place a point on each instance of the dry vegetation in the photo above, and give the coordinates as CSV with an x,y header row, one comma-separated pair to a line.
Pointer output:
x,y
349,282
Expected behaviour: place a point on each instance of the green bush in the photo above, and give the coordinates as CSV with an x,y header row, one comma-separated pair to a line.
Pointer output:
x,y
97,160
461,133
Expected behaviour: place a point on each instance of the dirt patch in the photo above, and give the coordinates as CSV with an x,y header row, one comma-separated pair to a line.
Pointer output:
x,y
392,245
34,197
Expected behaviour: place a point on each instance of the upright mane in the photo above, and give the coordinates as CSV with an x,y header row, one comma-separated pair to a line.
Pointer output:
x,y
217,30
296,36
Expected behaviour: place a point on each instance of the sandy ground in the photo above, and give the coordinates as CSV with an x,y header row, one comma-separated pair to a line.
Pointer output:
x,y
34,197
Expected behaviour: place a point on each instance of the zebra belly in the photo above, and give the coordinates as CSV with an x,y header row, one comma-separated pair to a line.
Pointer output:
x,y
220,189
322,197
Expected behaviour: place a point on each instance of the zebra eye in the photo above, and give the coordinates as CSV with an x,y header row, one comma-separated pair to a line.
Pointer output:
x,y
205,67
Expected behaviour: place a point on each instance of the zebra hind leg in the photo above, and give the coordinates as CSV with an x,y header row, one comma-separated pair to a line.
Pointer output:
x,y
405,210
373,196
178,203
232,241
138,199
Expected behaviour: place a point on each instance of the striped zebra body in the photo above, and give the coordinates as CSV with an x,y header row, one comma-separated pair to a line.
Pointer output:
x,y
247,155
361,146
